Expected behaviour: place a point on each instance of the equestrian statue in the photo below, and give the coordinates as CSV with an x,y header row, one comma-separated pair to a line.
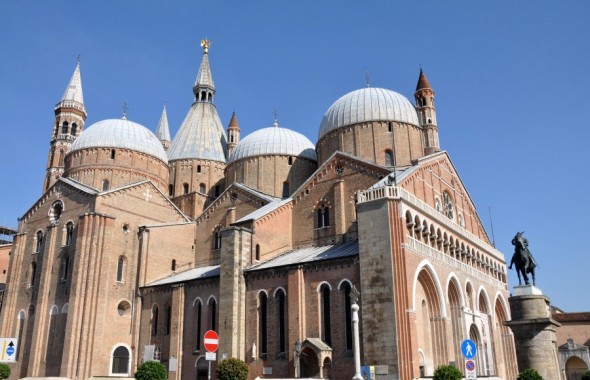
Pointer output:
x,y
523,259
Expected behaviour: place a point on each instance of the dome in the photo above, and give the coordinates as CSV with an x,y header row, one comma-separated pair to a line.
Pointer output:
x,y
368,104
120,133
274,141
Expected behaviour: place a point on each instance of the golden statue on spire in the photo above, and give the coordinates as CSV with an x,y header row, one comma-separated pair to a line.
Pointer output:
x,y
205,45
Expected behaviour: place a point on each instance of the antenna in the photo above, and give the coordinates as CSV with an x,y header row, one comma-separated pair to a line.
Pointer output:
x,y
492,226
367,79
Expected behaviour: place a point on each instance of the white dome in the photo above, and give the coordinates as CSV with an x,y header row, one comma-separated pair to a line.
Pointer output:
x,y
368,104
274,141
120,133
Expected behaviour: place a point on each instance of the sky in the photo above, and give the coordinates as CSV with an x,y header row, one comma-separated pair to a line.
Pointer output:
x,y
511,81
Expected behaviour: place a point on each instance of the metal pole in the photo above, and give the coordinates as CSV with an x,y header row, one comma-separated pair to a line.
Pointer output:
x,y
209,372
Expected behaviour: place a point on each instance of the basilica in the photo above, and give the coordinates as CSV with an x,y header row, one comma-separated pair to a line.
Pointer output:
x,y
141,242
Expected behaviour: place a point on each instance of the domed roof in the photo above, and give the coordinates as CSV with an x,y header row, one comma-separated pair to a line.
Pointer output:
x,y
120,133
274,141
368,104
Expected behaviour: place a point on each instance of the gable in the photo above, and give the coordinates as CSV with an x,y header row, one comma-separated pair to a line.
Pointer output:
x,y
435,181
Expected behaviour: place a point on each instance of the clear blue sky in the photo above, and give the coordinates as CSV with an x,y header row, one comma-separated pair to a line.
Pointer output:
x,y
511,81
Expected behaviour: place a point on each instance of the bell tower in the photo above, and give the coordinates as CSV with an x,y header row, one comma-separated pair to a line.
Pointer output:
x,y
233,134
427,114
70,115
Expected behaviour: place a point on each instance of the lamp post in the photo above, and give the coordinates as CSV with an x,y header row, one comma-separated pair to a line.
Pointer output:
x,y
354,296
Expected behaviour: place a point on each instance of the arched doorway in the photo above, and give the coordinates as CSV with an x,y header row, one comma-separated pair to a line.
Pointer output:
x,y
575,368
310,367
475,336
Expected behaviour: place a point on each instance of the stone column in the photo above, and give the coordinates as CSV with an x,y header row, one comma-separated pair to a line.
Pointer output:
x,y
534,331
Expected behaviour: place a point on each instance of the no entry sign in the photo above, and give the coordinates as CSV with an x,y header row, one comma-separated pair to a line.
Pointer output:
x,y
211,341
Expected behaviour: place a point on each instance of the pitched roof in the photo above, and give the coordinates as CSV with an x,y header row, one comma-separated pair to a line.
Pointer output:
x,y
266,209
310,254
188,275
572,317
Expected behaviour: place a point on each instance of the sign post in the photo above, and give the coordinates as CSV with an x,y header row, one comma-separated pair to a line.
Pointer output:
x,y
469,350
8,350
211,342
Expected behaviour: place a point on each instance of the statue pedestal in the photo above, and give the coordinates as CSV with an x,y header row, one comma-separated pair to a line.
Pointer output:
x,y
534,331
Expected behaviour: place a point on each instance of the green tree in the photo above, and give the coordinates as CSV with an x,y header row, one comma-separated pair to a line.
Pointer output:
x,y
151,370
529,374
586,376
447,372
232,369
4,371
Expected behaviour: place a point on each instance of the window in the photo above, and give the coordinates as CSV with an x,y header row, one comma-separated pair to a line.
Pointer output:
x,y
285,189
323,217
120,268
198,168
154,320
325,313
257,257
168,318
448,203
217,190
56,211
112,154
173,265
69,233
202,188
217,239
347,314
280,296
65,267
185,188
64,128
388,158
290,160
120,361
170,190
39,243
105,185
74,129
33,273
389,126
212,313
262,331
198,316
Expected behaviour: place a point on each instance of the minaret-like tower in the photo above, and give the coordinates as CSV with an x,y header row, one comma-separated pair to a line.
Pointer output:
x,y
233,134
163,132
70,115
427,114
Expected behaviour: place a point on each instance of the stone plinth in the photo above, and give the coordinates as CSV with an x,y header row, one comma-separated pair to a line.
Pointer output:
x,y
534,331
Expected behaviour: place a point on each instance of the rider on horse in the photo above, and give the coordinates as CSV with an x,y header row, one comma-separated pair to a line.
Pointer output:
x,y
523,258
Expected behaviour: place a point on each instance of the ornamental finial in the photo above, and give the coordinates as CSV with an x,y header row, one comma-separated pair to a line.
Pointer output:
x,y
205,45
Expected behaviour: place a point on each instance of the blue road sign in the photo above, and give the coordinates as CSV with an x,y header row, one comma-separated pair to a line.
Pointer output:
x,y
468,349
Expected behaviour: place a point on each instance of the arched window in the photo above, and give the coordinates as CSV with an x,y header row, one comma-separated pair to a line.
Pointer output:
x,y
280,297
198,168
212,313
388,157
217,238
325,314
198,316
105,185
69,233
64,128
33,274
202,188
285,189
39,243
56,211
290,160
173,265
120,361
389,126
323,217
262,325
170,190
168,319
65,267
448,204
257,257
345,287
120,268
112,154
154,320
74,129
185,188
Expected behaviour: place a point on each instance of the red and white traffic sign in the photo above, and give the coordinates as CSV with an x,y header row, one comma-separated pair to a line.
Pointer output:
x,y
211,341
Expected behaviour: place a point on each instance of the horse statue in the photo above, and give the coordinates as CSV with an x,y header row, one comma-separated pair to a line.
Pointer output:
x,y
523,259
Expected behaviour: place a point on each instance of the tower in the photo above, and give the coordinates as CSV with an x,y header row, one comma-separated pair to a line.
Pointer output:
x,y
233,134
163,132
427,114
70,115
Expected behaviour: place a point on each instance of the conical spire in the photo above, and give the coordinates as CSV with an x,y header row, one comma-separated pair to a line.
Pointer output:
x,y
163,132
204,77
233,122
422,81
74,90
